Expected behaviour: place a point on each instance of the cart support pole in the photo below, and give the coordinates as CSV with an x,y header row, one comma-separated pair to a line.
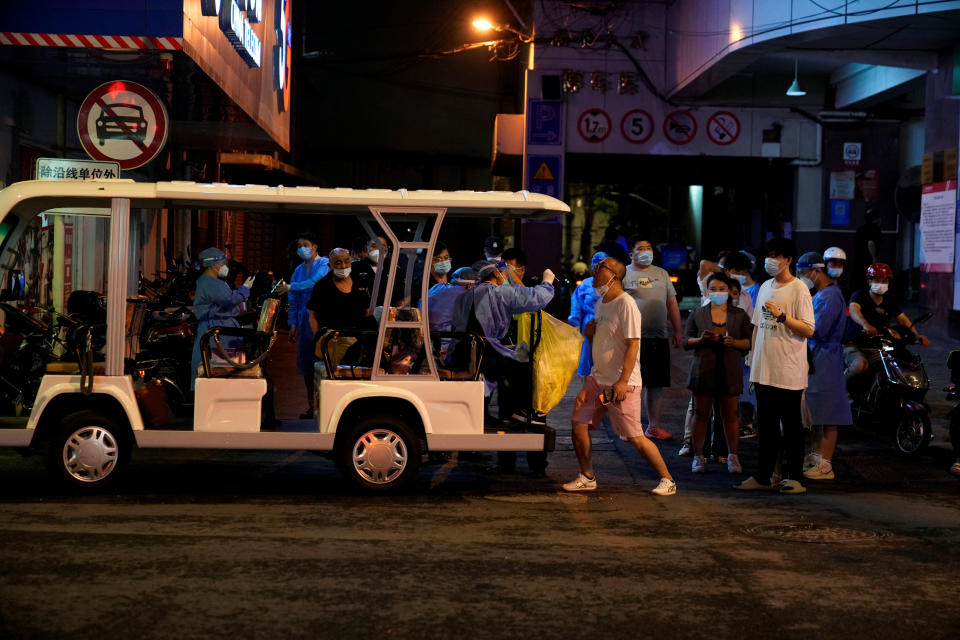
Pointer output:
x,y
117,284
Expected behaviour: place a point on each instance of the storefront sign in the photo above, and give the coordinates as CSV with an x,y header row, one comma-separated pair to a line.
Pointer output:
x,y
70,169
122,121
281,54
938,215
235,18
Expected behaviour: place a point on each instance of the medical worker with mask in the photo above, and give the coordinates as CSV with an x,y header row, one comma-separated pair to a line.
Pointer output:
x,y
215,304
582,304
304,277
826,394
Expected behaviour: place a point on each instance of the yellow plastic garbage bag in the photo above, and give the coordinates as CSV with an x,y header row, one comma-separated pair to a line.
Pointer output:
x,y
555,359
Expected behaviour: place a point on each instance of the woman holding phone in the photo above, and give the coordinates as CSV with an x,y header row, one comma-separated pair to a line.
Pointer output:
x,y
719,333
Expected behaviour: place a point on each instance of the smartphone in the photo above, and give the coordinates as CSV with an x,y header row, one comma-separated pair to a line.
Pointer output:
x,y
606,397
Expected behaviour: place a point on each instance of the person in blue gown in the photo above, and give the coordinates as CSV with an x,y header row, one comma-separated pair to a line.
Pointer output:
x,y
305,276
826,394
215,304
582,303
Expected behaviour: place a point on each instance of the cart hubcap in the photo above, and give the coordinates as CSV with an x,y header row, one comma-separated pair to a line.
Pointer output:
x,y
380,456
90,454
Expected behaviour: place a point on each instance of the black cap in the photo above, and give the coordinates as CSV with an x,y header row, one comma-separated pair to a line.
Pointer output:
x,y
493,245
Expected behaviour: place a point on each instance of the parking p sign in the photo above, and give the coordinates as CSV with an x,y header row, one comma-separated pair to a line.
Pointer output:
x,y
124,122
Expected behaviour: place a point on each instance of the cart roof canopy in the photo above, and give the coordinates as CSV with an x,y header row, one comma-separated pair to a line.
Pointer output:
x,y
36,196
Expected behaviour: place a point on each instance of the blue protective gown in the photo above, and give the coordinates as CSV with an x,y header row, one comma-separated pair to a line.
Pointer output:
x,y
826,388
582,304
214,305
495,307
442,304
301,286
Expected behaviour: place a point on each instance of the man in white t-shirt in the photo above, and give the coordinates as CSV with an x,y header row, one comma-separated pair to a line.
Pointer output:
x,y
615,382
783,320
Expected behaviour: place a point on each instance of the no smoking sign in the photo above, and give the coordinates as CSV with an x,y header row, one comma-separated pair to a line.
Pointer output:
x,y
123,122
723,128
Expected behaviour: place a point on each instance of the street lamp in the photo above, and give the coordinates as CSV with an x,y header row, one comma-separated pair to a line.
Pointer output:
x,y
483,24
794,90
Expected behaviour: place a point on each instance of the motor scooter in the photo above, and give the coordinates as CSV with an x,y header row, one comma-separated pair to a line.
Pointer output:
x,y
889,397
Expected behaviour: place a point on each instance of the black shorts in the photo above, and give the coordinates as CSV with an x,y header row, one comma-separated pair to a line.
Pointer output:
x,y
655,362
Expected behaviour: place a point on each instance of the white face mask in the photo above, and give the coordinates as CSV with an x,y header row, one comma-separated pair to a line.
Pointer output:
x,y
602,289
342,274
442,267
374,256
223,271
879,288
834,272
772,267
643,258
807,282
739,277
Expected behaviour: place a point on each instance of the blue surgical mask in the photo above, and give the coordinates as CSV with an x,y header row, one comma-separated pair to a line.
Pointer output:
x,y
739,277
772,267
807,282
834,272
719,298
442,267
305,253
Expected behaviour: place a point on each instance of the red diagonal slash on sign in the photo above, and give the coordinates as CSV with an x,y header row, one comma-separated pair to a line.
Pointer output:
x,y
105,108
723,128
719,123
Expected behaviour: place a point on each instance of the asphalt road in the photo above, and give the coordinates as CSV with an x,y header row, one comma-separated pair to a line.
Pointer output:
x,y
267,544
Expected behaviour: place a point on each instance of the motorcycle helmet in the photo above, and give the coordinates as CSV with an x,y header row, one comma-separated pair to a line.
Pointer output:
x,y
835,253
879,270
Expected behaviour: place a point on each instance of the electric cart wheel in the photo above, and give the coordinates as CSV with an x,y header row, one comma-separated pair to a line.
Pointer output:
x,y
380,454
89,451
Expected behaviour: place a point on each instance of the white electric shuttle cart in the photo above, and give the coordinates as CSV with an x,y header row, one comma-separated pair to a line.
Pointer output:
x,y
385,395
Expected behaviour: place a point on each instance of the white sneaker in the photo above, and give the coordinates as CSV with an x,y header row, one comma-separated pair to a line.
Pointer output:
x,y
822,471
699,464
733,464
686,449
665,488
811,460
582,483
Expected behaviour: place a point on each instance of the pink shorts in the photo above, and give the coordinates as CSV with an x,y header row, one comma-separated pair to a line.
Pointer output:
x,y
624,416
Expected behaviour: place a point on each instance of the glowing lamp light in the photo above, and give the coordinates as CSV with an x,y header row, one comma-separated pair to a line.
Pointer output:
x,y
794,90
482,24
674,279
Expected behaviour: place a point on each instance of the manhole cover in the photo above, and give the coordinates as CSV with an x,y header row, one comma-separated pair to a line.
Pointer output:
x,y
538,498
808,532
